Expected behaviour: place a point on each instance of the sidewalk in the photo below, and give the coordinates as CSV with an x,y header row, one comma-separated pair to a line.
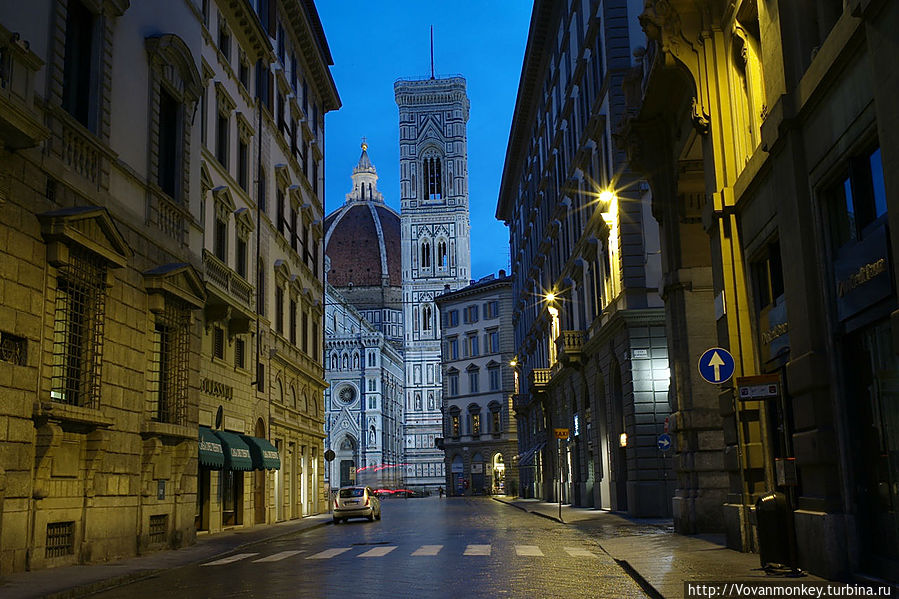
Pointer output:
x,y
650,551
77,581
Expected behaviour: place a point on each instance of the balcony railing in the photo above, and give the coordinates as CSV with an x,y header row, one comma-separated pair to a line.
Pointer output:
x,y
227,280
540,378
570,345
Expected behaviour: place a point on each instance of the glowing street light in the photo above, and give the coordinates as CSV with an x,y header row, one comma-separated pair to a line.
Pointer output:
x,y
550,297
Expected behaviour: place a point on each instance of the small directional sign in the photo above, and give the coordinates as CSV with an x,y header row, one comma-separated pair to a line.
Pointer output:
x,y
664,442
716,365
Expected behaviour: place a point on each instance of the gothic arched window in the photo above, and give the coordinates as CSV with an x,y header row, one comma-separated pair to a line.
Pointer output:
x,y
425,254
432,175
441,254
426,317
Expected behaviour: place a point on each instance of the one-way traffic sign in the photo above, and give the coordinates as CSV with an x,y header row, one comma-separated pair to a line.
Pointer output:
x,y
716,365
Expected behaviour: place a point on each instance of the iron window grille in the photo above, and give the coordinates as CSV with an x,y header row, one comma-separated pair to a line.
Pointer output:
x,y
60,539
169,364
159,525
78,330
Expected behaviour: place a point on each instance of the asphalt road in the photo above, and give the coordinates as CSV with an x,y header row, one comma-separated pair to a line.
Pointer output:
x,y
426,547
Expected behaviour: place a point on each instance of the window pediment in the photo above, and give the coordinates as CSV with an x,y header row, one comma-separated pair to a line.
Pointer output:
x,y
170,50
176,279
89,227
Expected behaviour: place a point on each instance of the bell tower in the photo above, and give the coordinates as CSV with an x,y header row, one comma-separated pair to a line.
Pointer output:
x,y
433,117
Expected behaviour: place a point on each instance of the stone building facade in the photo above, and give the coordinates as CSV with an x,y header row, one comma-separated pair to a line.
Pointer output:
x,y
589,323
479,428
364,399
433,117
769,134
106,294
266,89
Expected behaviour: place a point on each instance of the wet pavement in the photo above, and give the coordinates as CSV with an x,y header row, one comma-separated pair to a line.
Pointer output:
x,y
657,557
421,548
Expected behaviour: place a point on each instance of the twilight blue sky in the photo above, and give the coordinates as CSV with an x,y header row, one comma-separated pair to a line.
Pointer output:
x,y
374,43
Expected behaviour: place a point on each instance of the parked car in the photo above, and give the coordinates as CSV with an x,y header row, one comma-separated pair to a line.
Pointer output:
x,y
356,502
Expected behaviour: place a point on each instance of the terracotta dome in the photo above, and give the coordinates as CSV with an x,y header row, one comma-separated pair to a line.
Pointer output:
x,y
362,238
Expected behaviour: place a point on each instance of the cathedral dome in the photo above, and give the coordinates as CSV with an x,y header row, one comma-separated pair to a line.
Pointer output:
x,y
362,238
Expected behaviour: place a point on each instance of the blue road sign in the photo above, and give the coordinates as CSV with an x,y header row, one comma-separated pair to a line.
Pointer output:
x,y
664,442
716,365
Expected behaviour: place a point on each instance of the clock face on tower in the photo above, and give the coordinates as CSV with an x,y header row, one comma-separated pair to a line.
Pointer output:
x,y
347,394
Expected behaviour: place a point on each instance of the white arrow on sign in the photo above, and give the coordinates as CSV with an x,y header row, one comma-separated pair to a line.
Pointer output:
x,y
716,362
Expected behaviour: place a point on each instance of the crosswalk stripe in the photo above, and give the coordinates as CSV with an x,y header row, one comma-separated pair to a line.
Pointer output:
x,y
428,550
531,550
377,552
277,557
230,559
329,553
579,552
477,550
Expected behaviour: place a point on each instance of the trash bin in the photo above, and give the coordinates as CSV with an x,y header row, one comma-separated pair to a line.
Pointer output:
x,y
773,517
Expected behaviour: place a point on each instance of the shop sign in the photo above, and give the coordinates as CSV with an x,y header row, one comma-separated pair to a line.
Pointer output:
x,y
774,330
216,389
862,274
457,468
477,468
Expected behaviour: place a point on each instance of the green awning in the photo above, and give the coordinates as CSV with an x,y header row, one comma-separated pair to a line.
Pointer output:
x,y
237,454
210,454
265,455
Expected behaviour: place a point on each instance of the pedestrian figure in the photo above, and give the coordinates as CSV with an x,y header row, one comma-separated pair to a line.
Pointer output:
x,y
440,491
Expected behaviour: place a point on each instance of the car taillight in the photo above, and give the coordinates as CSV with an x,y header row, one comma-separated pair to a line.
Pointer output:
x,y
366,500
336,503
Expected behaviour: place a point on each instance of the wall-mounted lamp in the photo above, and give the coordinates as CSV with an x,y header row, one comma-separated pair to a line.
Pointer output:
x,y
622,440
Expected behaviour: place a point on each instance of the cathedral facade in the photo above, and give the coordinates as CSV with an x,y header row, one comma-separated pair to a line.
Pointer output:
x,y
433,114
363,337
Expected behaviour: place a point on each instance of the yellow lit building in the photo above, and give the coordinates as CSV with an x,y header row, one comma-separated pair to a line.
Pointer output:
x,y
768,133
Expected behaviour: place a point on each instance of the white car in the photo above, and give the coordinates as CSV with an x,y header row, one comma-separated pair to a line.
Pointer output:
x,y
356,502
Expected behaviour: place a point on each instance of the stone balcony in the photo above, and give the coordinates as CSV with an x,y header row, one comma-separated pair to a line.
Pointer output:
x,y
570,346
539,379
20,121
230,296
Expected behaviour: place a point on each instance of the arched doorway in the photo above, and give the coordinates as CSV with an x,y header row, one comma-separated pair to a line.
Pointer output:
x,y
346,460
499,475
259,503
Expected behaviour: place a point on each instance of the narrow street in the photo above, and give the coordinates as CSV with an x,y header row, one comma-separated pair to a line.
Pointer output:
x,y
424,547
